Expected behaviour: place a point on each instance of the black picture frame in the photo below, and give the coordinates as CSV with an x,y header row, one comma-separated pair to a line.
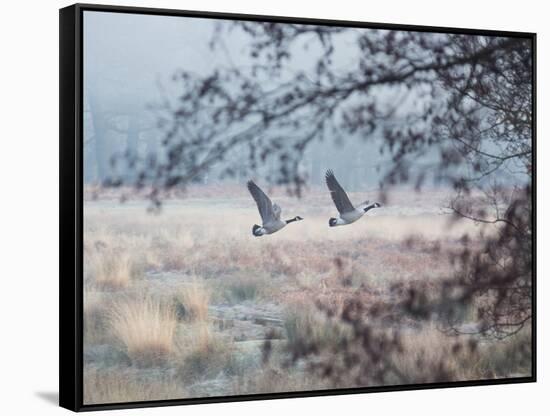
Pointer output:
x,y
71,206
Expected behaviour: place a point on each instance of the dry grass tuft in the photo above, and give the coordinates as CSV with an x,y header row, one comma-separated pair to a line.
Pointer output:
x,y
242,287
146,327
274,380
305,324
511,357
110,270
95,325
116,387
463,357
192,302
429,354
205,353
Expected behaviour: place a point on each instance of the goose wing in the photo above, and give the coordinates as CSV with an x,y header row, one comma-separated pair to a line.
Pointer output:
x,y
339,196
263,202
277,211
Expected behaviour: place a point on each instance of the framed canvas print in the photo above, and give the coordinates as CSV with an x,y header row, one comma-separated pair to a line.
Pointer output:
x,y
256,207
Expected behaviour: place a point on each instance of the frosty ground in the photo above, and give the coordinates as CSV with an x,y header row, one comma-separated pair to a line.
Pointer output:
x,y
179,303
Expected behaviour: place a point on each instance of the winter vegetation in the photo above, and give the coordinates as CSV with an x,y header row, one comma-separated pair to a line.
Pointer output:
x,y
182,300
204,298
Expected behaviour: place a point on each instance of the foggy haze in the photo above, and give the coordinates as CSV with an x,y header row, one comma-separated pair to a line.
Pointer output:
x,y
130,62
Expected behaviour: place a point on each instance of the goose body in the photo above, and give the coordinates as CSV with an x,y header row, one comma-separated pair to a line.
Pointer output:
x,y
270,213
348,213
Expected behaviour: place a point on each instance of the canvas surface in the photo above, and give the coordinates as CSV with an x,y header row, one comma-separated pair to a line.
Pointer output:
x,y
181,300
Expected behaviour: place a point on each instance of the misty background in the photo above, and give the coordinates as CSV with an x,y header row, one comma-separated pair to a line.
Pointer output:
x,y
130,67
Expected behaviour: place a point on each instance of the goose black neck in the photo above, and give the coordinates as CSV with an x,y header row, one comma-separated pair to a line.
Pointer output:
x,y
371,206
291,220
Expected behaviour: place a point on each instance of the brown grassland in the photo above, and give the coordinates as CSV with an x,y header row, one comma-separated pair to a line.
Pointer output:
x,y
179,303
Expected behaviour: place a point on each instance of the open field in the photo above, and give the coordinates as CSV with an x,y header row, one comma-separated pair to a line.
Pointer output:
x,y
180,303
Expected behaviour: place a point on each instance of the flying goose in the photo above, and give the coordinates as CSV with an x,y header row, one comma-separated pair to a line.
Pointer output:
x,y
270,213
348,213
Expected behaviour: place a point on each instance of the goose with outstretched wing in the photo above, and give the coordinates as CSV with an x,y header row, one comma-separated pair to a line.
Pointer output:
x,y
270,213
348,213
